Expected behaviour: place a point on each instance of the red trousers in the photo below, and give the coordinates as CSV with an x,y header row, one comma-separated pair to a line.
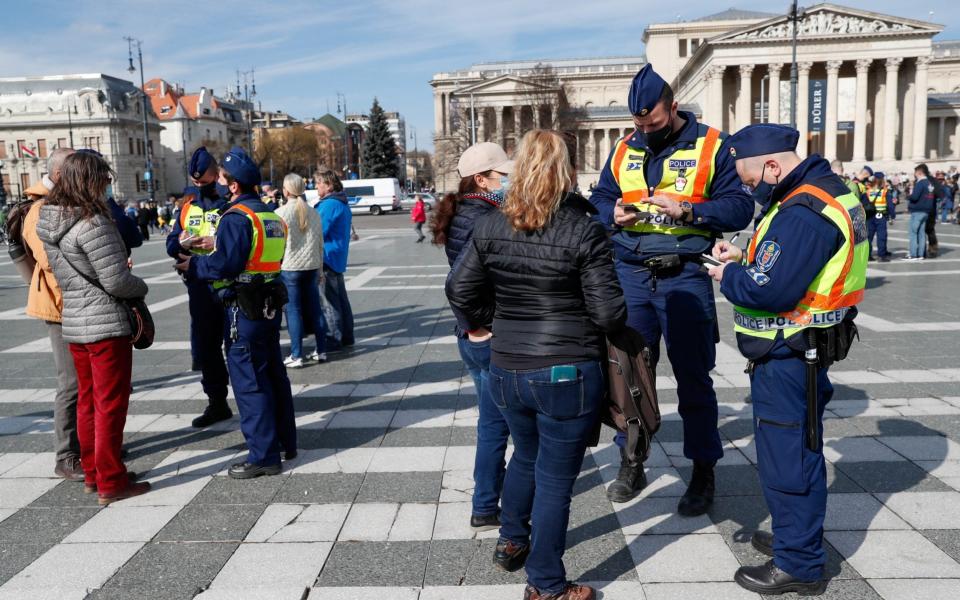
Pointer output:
x,y
103,379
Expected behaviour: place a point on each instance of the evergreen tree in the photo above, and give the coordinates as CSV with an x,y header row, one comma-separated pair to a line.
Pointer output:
x,y
379,147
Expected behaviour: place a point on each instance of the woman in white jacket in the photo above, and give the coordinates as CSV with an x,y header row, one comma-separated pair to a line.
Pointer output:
x,y
302,261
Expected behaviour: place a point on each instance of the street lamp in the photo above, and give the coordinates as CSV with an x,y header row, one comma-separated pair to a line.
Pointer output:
x,y
148,171
794,17
3,190
416,160
249,92
346,133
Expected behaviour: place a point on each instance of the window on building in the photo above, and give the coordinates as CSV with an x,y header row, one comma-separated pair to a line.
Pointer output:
x,y
683,48
98,144
6,185
150,146
694,44
131,145
61,142
136,177
139,147
20,145
3,149
42,148
24,181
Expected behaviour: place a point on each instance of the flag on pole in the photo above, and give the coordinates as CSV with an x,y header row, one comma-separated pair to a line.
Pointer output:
x,y
27,151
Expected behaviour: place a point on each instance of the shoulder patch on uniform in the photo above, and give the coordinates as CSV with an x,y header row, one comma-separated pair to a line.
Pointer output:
x,y
634,166
757,277
635,156
767,254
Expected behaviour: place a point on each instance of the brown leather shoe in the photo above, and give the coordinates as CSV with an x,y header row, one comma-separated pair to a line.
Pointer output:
x,y
69,468
91,488
134,489
573,591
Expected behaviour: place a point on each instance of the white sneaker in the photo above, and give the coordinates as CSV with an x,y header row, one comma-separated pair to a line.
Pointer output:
x,y
320,357
293,363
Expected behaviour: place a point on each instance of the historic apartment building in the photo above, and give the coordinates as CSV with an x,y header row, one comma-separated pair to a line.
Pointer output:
x,y
39,114
871,88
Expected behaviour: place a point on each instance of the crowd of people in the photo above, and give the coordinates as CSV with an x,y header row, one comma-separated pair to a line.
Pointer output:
x,y
244,265
541,280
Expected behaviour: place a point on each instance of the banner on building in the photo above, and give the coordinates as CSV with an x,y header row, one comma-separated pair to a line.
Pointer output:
x,y
817,104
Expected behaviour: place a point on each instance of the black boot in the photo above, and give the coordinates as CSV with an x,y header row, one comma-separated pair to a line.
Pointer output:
x,y
770,579
699,495
630,480
762,542
215,412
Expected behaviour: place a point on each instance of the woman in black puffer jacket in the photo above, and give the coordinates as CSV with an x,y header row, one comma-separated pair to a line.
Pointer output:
x,y
483,169
541,270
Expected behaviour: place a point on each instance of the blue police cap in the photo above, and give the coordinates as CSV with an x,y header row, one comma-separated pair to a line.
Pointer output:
x,y
868,170
645,91
241,167
762,139
879,175
200,162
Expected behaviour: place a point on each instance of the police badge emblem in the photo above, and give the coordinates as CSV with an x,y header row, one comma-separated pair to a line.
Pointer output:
x,y
681,181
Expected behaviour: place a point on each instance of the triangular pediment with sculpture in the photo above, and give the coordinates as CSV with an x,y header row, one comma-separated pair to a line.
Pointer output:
x,y
829,21
506,84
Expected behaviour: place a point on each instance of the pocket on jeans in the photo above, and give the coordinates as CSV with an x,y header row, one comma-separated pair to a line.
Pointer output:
x,y
493,387
560,400
242,374
780,455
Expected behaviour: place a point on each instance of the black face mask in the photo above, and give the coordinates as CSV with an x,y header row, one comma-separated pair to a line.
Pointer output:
x,y
209,190
657,140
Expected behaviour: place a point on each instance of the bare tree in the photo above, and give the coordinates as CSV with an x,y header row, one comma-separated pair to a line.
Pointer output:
x,y
292,150
548,98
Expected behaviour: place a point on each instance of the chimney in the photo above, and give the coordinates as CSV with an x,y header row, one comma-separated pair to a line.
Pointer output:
x,y
163,87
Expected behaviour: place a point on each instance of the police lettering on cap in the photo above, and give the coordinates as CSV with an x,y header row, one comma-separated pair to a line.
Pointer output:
x,y
763,139
483,157
645,91
200,162
241,167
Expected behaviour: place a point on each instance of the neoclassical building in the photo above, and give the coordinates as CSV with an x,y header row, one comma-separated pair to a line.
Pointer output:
x,y
872,88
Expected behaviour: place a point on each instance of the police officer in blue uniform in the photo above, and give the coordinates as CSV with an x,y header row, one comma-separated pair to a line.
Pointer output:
x,y
193,234
667,192
244,268
794,297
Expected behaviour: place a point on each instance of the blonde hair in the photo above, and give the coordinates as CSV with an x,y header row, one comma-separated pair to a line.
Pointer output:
x,y
294,185
539,181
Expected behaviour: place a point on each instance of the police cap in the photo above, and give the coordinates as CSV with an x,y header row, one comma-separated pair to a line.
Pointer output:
x,y
762,139
200,162
645,91
241,167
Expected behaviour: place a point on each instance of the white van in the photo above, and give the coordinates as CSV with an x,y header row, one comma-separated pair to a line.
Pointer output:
x,y
367,196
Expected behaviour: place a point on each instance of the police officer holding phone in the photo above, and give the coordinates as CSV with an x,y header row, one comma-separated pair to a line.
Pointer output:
x,y
244,268
193,233
794,295
668,190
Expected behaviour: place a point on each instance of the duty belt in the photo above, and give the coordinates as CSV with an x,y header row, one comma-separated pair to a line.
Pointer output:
x,y
779,322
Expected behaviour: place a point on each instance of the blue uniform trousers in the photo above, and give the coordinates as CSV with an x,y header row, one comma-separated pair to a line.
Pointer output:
x,y
206,338
261,387
878,227
793,478
681,310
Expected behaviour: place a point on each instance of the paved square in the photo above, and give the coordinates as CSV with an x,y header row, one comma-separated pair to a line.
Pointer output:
x,y
377,503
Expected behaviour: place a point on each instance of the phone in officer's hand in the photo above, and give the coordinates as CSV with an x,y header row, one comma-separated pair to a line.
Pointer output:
x,y
631,208
561,373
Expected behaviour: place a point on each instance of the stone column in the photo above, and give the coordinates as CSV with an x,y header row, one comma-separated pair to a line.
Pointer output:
x,y
713,112
956,139
481,122
942,138
499,136
438,125
803,97
548,114
744,103
860,118
890,124
589,152
517,134
830,130
604,147
450,113
773,110
920,109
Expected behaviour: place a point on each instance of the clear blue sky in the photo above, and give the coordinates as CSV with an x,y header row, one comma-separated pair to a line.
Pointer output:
x,y
306,51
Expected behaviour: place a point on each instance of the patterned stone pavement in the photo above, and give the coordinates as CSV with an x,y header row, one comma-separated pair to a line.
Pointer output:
x,y
377,503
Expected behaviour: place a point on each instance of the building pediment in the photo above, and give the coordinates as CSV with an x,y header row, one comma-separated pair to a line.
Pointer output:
x,y
506,84
825,21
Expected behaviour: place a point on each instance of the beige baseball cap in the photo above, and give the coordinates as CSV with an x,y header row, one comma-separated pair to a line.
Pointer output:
x,y
483,157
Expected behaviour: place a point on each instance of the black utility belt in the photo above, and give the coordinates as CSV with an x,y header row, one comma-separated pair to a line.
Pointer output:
x,y
832,343
669,262
258,301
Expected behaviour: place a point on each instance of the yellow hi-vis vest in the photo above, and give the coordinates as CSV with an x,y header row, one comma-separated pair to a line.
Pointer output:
x,y
879,198
267,247
687,175
198,222
837,287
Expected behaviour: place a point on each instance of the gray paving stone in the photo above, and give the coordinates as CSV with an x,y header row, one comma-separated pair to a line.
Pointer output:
x,y
731,480
167,571
26,442
602,558
947,540
419,436
398,564
433,401
463,436
482,572
44,525
419,486
325,488
888,477
211,523
14,557
449,561
66,494
842,589
340,438
225,490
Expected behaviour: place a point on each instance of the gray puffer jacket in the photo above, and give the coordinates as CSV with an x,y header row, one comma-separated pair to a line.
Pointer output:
x,y
94,246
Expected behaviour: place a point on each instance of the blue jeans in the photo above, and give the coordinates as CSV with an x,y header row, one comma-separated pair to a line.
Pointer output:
x,y
492,432
550,424
878,227
304,302
918,234
335,291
